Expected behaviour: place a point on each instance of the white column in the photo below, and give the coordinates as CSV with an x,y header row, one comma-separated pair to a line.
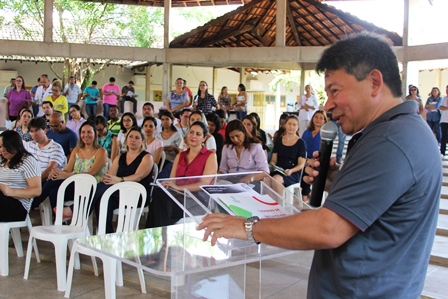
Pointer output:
x,y
166,81
148,83
280,22
48,21
410,70
166,24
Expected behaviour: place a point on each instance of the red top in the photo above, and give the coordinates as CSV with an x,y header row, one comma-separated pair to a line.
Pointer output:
x,y
194,168
188,90
222,131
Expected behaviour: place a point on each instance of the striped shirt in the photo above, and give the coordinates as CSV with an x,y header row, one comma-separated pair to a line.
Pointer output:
x,y
16,178
51,152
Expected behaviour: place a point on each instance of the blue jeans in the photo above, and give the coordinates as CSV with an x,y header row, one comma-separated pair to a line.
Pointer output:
x,y
435,127
240,114
106,110
341,143
91,109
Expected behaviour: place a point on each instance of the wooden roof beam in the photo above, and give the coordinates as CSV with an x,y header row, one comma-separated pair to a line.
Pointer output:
x,y
292,23
226,34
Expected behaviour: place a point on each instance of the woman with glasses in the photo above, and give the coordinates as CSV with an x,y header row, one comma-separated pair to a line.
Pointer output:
x,y
106,139
311,136
59,101
204,101
433,116
77,120
414,95
25,117
17,98
127,121
177,98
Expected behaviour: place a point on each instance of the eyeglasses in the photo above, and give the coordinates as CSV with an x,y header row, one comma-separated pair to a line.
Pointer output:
x,y
413,89
71,111
55,126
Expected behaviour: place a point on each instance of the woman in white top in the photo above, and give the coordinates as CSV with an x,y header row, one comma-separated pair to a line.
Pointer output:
x,y
308,104
153,145
240,104
169,136
19,178
127,121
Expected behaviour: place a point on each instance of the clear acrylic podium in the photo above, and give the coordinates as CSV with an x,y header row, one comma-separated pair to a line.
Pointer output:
x,y
197,269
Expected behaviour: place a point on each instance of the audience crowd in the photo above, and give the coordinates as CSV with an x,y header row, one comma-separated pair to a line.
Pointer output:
x,y
190,136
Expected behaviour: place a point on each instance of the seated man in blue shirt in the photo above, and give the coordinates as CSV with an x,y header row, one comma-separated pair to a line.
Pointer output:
x,y
61,134
373,235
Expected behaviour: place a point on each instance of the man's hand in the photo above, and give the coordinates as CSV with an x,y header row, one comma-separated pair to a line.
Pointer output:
x,y
313,164
223,226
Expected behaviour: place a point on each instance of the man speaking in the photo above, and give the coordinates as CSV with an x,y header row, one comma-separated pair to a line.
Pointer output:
x,y
374,233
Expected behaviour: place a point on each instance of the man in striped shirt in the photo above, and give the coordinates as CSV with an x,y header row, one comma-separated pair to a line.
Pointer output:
x,y
47,152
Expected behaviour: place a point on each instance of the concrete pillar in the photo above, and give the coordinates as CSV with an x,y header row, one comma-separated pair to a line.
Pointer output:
x,y
148,83
166,81
243,76
280,22
48,21
411,19
166,24
216,89
302,79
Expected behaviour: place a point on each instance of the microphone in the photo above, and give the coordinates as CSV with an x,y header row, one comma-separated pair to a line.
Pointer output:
x,y
328,133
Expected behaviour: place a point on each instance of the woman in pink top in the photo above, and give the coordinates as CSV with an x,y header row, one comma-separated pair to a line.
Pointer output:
x,y
17,98
153,145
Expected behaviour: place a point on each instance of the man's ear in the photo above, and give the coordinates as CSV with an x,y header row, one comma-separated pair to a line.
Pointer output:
x,y
377,83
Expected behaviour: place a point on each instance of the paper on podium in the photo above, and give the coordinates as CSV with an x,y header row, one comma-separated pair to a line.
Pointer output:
x,y
244,201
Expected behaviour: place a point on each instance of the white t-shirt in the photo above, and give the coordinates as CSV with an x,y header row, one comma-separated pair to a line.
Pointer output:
x,y
444,118
40,96
73,92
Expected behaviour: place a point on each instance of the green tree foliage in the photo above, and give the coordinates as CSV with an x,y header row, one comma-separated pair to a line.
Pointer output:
x,y
80,22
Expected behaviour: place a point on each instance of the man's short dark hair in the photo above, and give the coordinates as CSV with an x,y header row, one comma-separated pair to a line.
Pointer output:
x,y
111,79
148,104
221,113
113,106
72,77
361,53
47,102
94,82
38,123
131,82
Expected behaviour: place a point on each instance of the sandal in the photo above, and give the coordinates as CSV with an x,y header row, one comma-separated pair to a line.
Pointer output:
x,y
64,216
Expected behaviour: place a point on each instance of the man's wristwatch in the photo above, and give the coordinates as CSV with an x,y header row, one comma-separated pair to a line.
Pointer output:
x,y
248,224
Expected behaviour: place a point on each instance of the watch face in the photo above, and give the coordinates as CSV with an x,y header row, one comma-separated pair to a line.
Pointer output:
x,y
253,219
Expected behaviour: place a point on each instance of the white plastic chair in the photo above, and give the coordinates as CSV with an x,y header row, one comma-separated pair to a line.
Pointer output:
x,y
128,217
60,235
14,228
45,212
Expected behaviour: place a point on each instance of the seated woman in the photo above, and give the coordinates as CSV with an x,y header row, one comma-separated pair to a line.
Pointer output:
x,y
19,178
25,116
195,161
169,136
87,157
214,124
106,139
311,136
289,153
241,152
127,121
281,127
153,145
77,120
134,165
